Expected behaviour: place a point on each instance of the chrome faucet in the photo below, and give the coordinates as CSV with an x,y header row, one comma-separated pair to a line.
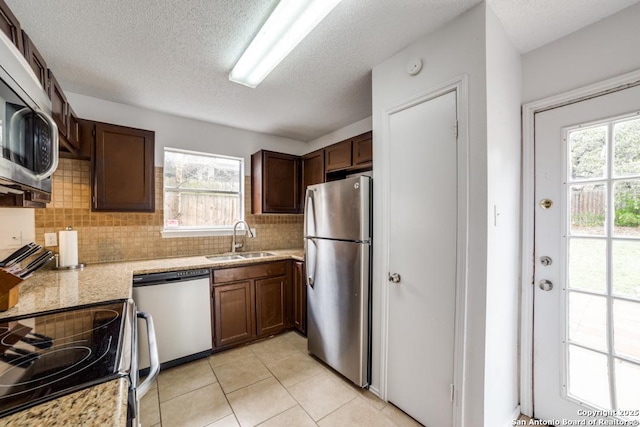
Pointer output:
x,y
235,245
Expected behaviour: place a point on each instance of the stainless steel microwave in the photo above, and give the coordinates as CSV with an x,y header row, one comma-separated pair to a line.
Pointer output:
x,y
28,134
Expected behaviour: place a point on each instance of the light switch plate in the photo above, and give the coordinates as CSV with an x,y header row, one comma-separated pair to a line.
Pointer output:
x,y
50,239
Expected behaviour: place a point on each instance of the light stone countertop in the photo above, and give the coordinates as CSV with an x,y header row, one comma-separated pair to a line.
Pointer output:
x,y
101,405
104,404
54,289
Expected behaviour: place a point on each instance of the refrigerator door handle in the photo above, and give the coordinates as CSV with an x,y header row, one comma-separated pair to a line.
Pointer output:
x,y
310,271
309,211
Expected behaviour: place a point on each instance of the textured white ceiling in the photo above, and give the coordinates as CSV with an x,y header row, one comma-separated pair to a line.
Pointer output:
x,y
175,56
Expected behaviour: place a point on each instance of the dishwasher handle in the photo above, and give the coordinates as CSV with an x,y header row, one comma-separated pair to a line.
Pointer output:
x,y
154,360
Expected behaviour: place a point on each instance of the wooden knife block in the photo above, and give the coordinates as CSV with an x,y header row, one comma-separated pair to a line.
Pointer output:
x,y
8,290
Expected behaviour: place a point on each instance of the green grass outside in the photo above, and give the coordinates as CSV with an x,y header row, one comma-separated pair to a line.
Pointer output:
x,y
588,266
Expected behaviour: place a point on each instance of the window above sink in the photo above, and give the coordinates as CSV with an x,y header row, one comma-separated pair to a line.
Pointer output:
x,y
203,193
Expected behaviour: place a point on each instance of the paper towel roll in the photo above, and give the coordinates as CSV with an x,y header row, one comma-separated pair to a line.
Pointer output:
x,y
68,241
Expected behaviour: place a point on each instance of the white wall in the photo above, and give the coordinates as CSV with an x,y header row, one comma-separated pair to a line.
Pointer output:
x,y
602,50
501,390
341,134
452,51
179,132
17,227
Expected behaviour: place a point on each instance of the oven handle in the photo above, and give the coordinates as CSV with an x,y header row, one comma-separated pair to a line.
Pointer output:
x,y
154,360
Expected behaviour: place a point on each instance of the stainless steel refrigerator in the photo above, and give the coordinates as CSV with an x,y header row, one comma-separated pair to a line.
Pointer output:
x,y
337,238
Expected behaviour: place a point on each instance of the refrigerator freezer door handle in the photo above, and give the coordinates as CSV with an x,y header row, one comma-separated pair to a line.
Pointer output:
x,y
309,211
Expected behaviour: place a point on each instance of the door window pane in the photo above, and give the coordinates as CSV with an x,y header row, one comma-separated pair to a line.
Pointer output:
x,y
588,264
627,380
626,268
589,377
588,207
626,140
587,152
626,196
626,329
588,320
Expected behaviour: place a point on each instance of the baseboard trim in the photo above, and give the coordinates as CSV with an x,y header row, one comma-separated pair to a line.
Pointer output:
x,y
374,391
514,416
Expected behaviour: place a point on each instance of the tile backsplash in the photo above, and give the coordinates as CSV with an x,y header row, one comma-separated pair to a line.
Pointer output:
x,y
114,236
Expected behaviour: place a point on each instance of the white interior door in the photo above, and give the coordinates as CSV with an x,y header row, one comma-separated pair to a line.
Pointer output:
x,y
422,251
587,258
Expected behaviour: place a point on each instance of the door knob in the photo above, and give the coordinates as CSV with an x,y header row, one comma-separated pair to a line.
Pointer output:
x,y
545,285
394,278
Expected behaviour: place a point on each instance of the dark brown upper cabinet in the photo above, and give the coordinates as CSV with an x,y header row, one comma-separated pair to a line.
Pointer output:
x,y
122,166
69,128
312,168
349,156
312,172
10,25
59,105
36,61
362,146
73,130
337,156
275,183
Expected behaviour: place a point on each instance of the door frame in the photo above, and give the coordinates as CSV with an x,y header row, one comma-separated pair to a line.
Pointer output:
x,y
460,85
528,214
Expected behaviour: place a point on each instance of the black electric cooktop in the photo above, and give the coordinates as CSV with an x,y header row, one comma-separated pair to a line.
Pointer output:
x,y
46,356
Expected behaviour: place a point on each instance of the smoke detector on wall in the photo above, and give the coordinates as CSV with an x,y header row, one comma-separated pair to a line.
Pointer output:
x,y
414,66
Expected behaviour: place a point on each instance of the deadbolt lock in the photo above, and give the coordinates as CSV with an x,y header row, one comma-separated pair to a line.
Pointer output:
x,y
546,203
546,260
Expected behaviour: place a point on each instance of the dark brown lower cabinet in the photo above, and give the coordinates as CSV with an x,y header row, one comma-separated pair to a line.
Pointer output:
x,y
271,309
233,313
251,302
299,298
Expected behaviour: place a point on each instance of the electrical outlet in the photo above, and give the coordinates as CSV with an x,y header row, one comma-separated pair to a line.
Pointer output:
x,y
50,239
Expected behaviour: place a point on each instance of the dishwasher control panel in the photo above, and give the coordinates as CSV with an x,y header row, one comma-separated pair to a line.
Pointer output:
x,y
169,276
189,273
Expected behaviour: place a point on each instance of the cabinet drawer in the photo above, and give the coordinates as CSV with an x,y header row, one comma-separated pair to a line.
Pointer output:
x,y
250,272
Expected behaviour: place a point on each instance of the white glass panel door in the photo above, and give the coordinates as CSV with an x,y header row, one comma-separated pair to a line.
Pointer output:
x,y
587,298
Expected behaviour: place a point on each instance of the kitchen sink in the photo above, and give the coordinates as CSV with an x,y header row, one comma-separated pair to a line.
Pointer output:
x,y
224,257
257,255
232,257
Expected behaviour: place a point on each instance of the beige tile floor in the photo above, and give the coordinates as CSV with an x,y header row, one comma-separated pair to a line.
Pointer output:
x,y
272,383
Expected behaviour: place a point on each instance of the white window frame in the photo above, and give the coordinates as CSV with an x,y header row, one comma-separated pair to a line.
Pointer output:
x,y
202,231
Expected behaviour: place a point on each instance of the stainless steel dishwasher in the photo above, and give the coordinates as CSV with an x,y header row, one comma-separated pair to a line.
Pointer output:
x,y
179,302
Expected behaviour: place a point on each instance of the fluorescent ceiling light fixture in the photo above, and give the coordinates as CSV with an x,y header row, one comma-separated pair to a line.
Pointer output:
x,y
287,26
